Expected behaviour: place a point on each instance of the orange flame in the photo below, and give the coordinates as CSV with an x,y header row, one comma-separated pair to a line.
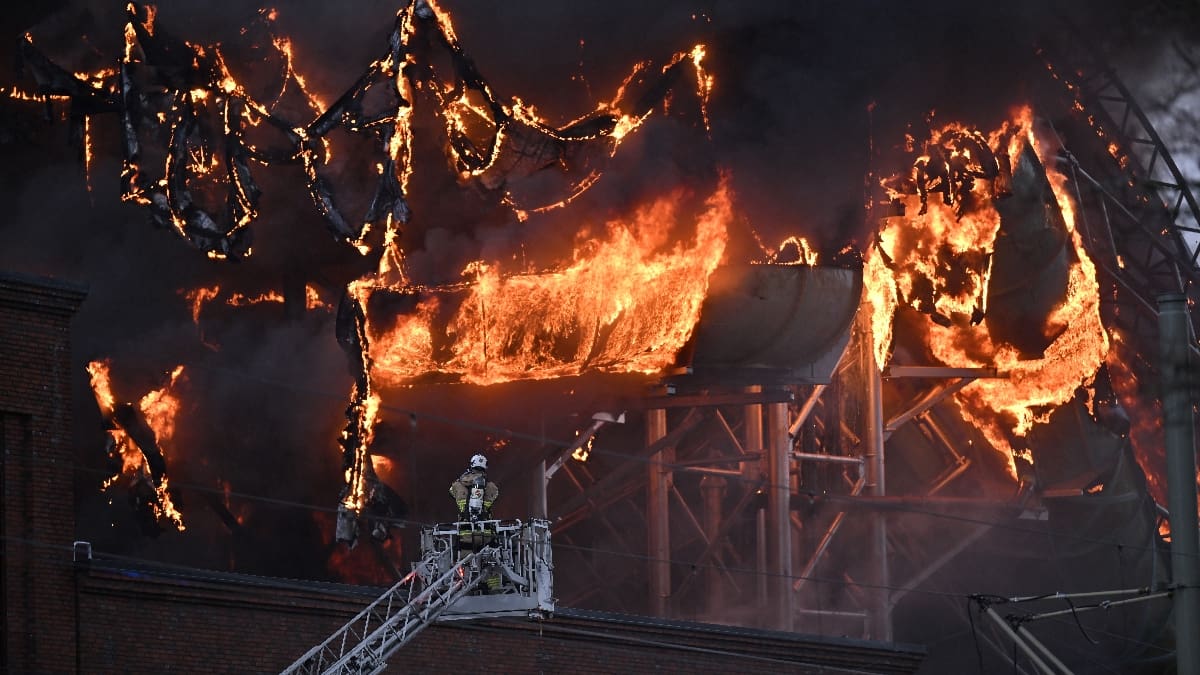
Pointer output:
x,y
628,302
159,407
242,300
919,247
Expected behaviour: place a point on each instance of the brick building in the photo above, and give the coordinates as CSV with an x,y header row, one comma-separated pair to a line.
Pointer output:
x,y
68,612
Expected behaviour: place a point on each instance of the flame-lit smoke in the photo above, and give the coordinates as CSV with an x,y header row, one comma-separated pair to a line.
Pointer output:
x,y
143,461
940,263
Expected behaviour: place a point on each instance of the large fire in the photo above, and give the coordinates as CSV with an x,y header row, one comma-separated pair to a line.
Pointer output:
x,y
630,295
941,263
627,302
143,461
489,141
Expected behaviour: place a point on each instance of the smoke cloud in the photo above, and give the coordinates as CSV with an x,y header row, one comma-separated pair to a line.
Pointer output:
x,y
809,99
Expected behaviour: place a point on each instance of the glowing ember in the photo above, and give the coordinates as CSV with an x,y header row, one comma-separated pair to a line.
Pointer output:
x,y
199,298
242,300
584,451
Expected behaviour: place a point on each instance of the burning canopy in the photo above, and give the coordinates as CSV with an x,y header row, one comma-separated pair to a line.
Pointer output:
x,y
627,302
1000,270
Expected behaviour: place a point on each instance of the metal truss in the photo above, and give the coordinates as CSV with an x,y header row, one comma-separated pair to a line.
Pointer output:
x,y
1138,214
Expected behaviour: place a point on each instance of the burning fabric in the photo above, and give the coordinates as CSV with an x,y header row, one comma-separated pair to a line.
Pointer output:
x,y
137,436
1000,270
627,302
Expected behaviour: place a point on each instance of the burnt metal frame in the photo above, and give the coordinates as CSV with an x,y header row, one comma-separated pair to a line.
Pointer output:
x,y
1151,239
959,378
1143,248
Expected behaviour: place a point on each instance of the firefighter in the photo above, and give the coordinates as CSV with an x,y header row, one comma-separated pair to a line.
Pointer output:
x,y
473,493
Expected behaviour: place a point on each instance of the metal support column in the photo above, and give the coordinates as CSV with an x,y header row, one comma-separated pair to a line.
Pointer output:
x,y
779,529
880,623
713,490
752,437
1179,428
752,442
537,497
658,512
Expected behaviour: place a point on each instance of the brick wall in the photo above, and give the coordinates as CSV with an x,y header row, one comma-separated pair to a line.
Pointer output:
x,y
170,620
38,524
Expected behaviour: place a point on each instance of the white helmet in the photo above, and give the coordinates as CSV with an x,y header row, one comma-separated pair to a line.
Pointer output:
x,y
479,462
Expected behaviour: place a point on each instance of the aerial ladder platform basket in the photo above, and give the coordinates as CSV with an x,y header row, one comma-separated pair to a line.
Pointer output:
x,y
468,570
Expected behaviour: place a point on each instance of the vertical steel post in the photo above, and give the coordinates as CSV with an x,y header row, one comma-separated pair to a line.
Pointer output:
x,y
752,437
658,512
760,552
880,623
779,526
537,497
1179,427
713,490
752,441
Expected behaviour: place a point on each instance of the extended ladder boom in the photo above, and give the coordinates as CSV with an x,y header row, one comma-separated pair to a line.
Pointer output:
x,y
513,558
362,645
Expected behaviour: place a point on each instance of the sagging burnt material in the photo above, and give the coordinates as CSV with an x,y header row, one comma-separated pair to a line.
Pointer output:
x,y
778,321
134,444
180,108
950,165
1031,261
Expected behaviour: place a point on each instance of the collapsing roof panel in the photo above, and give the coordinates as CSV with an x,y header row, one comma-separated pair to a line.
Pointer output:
x,y
791,320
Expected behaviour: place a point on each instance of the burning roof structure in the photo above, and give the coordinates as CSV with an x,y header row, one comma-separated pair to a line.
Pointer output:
x,y
841,434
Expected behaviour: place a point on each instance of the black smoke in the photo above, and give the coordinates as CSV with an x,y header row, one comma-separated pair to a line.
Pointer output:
x,y
809,99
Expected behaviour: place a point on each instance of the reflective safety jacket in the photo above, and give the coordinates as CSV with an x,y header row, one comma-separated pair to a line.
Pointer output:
x,y
460,492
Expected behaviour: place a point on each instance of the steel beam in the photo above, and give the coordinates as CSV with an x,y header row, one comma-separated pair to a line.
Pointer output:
x,y
773,395
1180,432
713,490
658,514
931,398
893,372
806,409
752,442
881,623
779,530
826,539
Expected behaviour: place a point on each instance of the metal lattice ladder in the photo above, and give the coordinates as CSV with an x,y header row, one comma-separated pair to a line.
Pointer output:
x,y
513,558
362,646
